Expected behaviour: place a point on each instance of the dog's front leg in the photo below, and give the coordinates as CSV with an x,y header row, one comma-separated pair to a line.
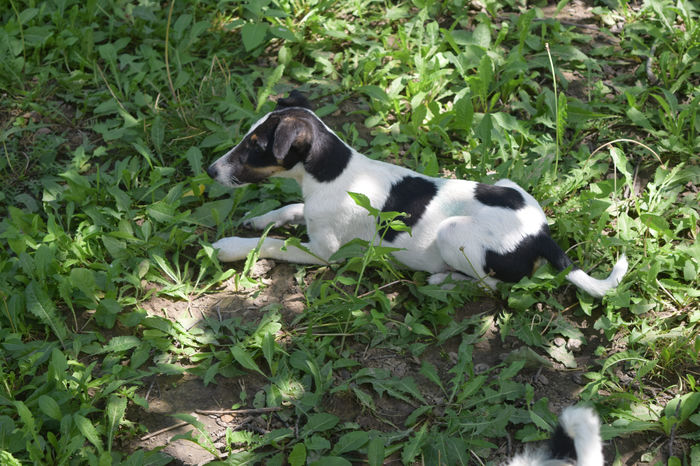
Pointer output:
x,y
235,248
442,277
292,213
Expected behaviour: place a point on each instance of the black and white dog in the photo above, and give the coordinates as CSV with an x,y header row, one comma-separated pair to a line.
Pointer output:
x,y
461,228
576,441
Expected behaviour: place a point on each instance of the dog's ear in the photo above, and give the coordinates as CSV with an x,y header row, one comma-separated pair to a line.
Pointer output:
x,y
291,133
295,99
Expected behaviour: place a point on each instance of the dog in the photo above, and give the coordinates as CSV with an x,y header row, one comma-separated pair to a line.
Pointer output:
x,y
575,441
459,229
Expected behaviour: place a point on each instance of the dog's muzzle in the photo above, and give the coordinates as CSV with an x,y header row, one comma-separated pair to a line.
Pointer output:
x,y
212,171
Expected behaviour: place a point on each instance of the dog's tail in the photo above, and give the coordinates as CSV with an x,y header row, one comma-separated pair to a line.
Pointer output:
x,y
576,441
577,437
551,251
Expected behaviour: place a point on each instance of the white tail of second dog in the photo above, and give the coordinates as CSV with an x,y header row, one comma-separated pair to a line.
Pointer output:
x,y
576,441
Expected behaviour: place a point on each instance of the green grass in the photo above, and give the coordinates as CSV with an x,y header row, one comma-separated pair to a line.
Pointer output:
x,y
111,109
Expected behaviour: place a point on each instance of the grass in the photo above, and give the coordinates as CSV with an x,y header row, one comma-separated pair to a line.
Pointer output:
x,y
111,109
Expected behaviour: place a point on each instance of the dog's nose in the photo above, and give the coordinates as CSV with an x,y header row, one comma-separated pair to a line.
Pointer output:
x,y
212,171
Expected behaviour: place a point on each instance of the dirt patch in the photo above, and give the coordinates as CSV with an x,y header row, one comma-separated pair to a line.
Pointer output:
x,y
576,12
168,396
280,287
187,394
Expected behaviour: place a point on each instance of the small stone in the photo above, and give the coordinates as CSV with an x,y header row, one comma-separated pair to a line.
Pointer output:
x,y
261,268
227,418
480,368
543,379
574,344
297,307
559,341
577,378
624,378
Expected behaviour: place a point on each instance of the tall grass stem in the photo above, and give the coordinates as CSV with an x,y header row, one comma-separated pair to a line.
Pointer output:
x,y
556,110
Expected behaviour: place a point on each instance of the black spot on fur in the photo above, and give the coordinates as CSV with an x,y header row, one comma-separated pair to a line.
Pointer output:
x,y
411,195
499,196
514,265
260,157
562,446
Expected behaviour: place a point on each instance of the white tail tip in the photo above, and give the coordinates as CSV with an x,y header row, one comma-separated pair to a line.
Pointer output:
x,y
582,425
597,287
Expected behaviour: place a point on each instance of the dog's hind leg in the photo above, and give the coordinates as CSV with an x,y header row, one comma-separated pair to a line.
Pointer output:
x,y
461,247
292,213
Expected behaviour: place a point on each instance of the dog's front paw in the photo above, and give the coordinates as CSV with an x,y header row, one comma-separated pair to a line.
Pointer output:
x,y
292,213
234,248
448,280
260,222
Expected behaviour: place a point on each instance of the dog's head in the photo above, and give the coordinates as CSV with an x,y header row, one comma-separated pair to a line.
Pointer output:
x,y
279,141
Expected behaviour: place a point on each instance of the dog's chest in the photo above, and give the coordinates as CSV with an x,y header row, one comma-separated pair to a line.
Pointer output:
x,y
335,217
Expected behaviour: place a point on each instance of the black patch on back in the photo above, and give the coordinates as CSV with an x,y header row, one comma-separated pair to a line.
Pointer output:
x,y
514,265
295,99
411,195
499,196
562,446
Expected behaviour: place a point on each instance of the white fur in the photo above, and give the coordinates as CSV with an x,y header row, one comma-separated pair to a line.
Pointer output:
x,y
582,425
597,287
452,234
292,213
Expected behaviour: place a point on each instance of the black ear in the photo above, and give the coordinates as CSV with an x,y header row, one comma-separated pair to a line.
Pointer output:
x,y
295,99
291,133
